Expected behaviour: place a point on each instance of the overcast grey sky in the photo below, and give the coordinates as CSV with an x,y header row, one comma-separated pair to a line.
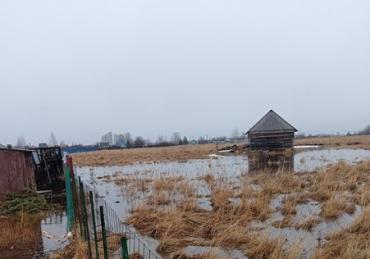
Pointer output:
x,y
80,68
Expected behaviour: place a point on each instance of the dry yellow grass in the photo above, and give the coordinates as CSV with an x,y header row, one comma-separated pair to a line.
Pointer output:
x,y
352,242
209,179
338,179
309,224
284,223
181,255
159,199
338,188
20,232
337,141
278,183
289,205
364,197
220,198
224,226
261,246
335,207
202,228
167,183
140,155
78,248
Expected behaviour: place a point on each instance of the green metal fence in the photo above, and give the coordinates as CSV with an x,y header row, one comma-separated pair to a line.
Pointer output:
x,y
105,234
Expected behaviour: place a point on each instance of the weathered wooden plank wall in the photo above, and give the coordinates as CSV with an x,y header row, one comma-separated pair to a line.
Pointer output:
x,y
271,140
16,171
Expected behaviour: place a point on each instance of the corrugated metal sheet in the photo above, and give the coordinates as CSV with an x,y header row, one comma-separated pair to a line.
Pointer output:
x,y
16,171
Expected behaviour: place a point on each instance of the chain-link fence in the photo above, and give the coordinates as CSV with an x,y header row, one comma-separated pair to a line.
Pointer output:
x,y
105,234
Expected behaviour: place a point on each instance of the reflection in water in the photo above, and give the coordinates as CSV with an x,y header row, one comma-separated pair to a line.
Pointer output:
x,y
52,234
54,231
34,237
271,161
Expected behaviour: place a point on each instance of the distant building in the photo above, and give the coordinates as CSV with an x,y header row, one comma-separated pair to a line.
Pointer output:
x,y
107,138
193,142
271,132
79,149
120,140
103,145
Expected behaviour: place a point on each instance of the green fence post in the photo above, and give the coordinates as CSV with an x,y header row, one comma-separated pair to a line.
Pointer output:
x,y
86,224
76,200
94,224
69,198
105,245
78,203
124,248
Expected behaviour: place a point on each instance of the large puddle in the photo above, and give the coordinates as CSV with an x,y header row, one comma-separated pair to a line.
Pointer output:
x,y
54,232
229,169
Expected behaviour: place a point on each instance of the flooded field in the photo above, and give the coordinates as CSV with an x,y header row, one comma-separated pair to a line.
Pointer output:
x,y
294,207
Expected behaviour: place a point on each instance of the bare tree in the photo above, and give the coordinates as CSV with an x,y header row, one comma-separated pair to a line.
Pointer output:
x,y
160,140
365,131
185,141
202,140
219,139
53,140
236,134
139,141
175,139
21,142
129,139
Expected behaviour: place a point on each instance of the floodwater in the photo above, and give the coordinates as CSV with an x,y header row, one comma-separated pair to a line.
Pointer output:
x,y
54,232
307,239
228,169
53,235
308,161
232,166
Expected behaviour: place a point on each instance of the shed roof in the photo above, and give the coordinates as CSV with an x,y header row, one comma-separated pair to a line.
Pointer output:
x,y
272,122
15,149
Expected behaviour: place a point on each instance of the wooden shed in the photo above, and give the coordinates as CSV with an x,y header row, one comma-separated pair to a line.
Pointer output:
x,y
16,170
271,132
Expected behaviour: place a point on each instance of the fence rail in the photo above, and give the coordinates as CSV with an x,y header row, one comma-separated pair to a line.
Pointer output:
x,y
100,226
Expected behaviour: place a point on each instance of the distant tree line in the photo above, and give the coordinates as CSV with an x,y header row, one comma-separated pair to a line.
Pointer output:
x,y
126,140
365,131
